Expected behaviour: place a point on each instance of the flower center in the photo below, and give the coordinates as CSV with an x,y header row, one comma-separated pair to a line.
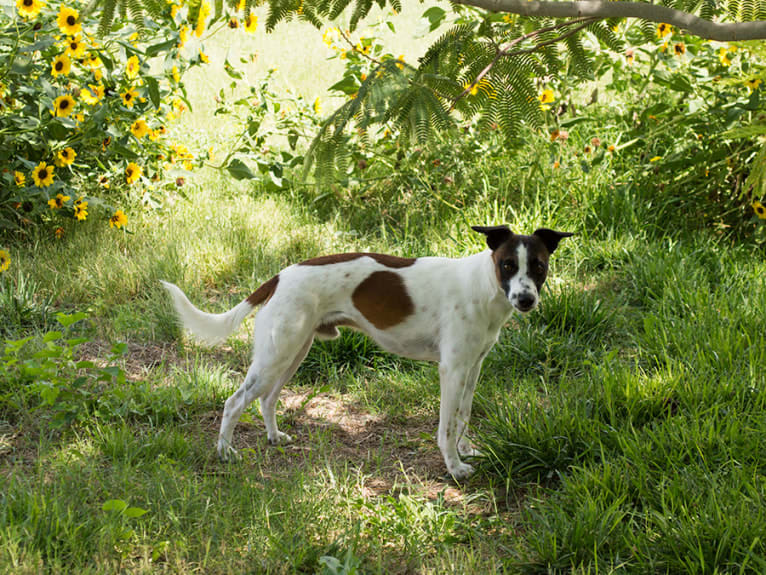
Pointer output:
x,y
71,20
43,174
29,3
59,66
64,104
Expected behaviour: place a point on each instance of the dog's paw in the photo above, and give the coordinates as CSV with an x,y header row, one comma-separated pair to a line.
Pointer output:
x,y
466,449
280,439
226,453
461,471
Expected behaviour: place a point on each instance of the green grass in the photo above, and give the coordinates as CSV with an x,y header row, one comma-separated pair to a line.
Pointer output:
x,y
623,421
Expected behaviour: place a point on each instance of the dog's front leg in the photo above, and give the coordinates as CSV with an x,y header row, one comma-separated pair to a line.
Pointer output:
x,y
453,380
464,446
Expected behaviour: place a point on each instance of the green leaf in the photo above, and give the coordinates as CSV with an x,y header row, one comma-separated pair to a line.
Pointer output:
x,y
155,49
117,505
231,71
239,170
435,17
52,336
348,85
153,88
67,320
292,138
135,512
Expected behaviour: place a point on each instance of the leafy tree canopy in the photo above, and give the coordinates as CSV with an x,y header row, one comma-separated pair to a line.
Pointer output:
x,y
489,64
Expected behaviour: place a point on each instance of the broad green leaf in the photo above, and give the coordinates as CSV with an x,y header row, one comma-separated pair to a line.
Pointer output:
x,y
239,170
135,512
117,505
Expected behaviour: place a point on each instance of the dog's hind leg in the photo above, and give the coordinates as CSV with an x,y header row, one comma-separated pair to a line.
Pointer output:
x,y
276,341
269,400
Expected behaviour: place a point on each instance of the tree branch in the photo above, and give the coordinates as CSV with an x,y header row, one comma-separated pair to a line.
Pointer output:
x,y
602,9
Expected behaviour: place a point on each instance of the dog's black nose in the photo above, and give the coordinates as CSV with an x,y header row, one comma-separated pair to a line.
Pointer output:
x,y
526,301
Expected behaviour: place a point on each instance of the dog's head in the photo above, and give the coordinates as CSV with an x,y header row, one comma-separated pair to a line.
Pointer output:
x,y
521,262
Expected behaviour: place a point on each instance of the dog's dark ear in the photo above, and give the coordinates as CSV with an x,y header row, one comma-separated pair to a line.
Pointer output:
x,y
551,238
496,235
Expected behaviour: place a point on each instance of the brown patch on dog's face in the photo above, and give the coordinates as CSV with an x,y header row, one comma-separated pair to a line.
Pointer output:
x,y
264,292
383,300
383,259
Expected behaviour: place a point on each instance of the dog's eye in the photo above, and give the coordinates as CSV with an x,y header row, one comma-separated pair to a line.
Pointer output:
x,y
539,267
509,266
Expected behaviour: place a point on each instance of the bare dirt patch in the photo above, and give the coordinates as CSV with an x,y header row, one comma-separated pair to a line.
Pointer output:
x,y
391,455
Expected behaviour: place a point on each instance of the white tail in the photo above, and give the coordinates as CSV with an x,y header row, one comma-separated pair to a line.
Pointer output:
x,y
207,328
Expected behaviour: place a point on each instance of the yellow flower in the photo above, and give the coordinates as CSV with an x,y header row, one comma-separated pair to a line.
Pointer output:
x,y
473,89
58,202
59,232
5,260
61,65
63,106
204,12
759,209
133,173
132,66
183,35
753,83
400,62
43,175
546,99
317,106
251,24
664,29
233,22
118,220
29,8
655,159
129,97
329,35
69,21
93,61
508,19
204,58
65,157
174,10
88,95
81,209
19,178
176,74
679,49
75,47
139,128
723,57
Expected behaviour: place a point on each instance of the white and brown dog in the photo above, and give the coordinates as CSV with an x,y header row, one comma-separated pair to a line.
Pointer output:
x,y
437,309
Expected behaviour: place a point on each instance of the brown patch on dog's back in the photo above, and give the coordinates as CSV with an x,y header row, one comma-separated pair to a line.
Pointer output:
x,y
383,259
383,299
264,292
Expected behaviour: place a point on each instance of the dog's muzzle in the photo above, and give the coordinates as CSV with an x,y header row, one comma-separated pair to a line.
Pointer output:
x,y
525,302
